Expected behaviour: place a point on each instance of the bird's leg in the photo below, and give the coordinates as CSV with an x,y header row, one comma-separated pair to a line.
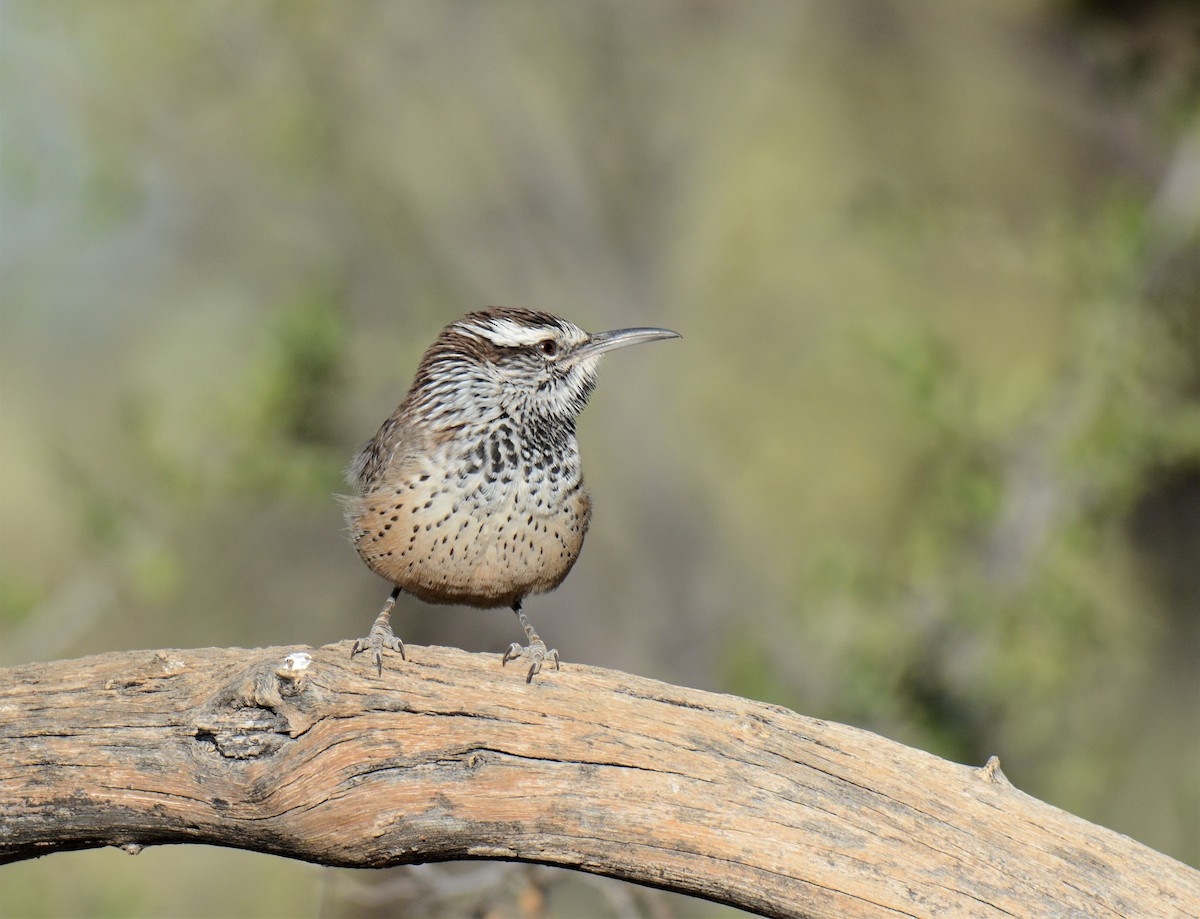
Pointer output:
x,y
381,635
536,650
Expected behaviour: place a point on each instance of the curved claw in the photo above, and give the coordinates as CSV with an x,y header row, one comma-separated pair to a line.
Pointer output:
x,y
381,637
537,653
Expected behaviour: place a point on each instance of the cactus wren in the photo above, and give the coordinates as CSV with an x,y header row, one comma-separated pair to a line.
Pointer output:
x,y
472,491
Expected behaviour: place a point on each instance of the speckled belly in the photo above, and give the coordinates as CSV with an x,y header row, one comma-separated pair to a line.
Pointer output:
x,y
450,539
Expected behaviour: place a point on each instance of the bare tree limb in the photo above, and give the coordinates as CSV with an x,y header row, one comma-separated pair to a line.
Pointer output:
x,y
448,756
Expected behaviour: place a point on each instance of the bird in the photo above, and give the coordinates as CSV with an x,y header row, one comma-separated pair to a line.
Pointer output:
x,y
471,492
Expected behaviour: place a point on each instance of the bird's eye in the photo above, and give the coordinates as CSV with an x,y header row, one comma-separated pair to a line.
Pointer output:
x,y
549,347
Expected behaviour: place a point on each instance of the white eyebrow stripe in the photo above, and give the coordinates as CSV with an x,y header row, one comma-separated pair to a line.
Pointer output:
x,y
504,333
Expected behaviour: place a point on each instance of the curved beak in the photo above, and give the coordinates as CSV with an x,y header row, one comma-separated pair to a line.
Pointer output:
x,y
620,338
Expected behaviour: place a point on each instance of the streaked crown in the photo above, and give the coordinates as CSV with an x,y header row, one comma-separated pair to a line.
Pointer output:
x,y
504,361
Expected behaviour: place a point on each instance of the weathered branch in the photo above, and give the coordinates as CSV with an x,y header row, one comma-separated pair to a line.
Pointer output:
x,y
448,756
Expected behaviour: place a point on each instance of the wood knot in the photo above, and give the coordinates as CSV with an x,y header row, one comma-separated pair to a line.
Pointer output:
x,y
291,673
260,710
991,772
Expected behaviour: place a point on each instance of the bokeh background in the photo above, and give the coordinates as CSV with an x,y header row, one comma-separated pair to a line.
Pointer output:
x,y
927,460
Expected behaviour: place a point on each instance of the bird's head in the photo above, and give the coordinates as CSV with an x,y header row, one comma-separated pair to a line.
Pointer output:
x,y
522,363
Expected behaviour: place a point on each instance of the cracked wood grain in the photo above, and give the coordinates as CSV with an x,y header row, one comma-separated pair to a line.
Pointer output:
x,y
303,753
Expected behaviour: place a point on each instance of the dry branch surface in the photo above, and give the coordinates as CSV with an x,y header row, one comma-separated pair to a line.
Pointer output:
x,y
448,756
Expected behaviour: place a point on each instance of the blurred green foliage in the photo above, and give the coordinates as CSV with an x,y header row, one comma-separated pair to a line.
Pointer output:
x,y
926,461
286,414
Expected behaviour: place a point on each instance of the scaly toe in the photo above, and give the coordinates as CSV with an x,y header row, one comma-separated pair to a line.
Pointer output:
x,y
537,654
514,651
540,657
379,639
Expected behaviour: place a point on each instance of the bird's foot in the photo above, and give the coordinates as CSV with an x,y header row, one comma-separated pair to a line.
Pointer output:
x,y
536,651
381,637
